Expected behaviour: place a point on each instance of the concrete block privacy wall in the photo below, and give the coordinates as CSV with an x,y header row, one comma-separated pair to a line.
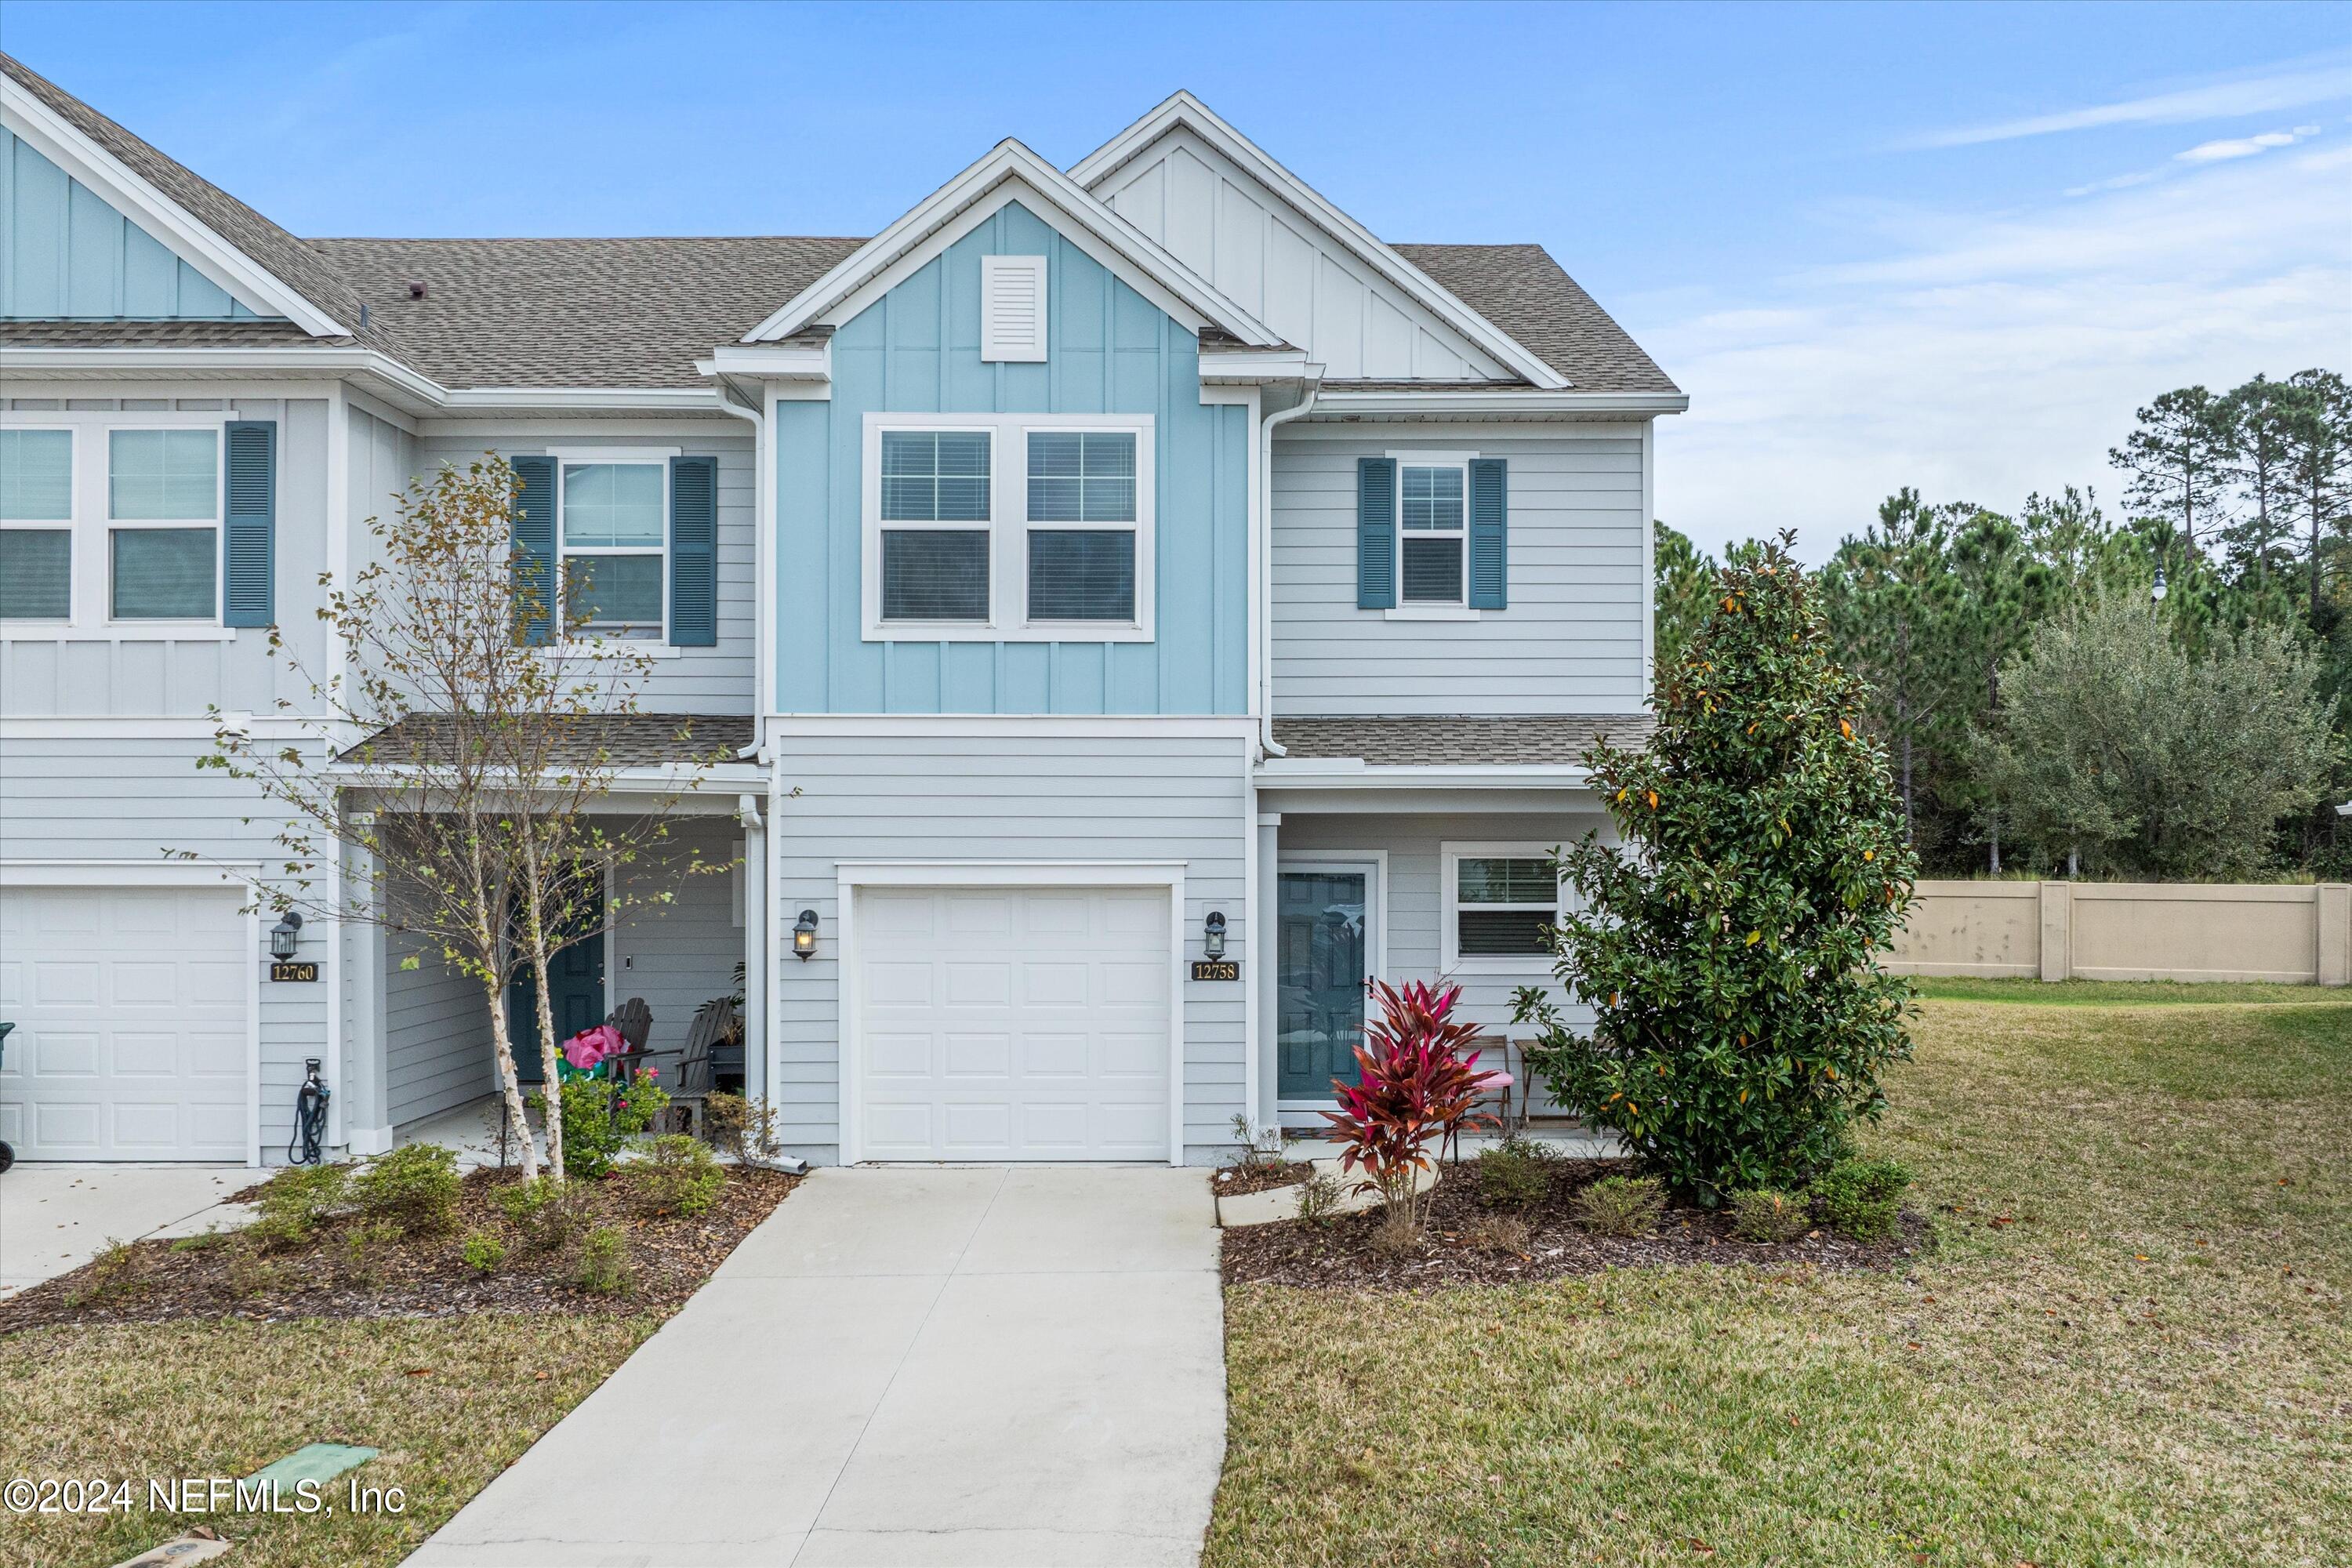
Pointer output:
x,y
2129,931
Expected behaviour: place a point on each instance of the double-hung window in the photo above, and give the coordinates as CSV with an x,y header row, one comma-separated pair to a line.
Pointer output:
x,y
163,512
615,529
1433,512
1015,528
1500,901
37,524
1082,525
936,486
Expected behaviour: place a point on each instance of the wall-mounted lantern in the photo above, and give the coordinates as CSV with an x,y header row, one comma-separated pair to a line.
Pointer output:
x,y
804,935
285,936
1212,935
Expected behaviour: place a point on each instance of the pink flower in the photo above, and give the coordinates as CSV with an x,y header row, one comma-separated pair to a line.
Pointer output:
x,y
585,1050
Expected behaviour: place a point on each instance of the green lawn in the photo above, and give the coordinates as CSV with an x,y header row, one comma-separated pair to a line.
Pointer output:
x,y
451,1403
2130,1346
2116,993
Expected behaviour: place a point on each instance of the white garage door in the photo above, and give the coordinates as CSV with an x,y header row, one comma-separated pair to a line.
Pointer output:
x,y
129,1007
1013,1024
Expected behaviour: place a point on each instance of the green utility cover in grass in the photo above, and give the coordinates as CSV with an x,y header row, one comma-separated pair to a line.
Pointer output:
x,y
312,1462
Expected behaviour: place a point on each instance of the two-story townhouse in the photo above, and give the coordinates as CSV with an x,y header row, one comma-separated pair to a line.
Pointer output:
x,y
1143,605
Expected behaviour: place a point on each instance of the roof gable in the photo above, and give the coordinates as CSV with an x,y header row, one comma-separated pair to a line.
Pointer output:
x,y
248,258
1013,173
1206,192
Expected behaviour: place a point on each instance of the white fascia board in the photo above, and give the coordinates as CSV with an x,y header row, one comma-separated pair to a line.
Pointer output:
x,y
777,362
247,281
1352,773
1436,402
1184,109
572,399
1009,160
681,778
258,363
1249,367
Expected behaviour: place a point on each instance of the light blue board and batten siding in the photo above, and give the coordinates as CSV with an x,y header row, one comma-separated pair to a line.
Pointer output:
x,y
1111,351
72,257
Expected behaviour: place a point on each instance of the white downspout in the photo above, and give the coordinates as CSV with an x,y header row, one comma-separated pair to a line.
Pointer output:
x,y
1264,630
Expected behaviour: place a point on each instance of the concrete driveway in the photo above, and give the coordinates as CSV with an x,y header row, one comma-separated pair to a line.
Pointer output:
x,y
908,1366
55,1219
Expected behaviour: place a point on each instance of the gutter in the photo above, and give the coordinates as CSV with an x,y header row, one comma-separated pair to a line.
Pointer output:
x,y
1353,773
1435,400
1313,381
763,566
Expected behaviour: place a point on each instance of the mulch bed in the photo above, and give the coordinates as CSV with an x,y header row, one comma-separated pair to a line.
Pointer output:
x,y
1461,1248
1233,1181
671,1256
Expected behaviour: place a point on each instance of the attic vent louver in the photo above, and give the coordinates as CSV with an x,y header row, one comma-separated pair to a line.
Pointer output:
x,y
1013,308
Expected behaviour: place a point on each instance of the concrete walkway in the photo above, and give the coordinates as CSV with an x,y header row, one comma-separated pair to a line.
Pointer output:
x,y
908,1366
56,1217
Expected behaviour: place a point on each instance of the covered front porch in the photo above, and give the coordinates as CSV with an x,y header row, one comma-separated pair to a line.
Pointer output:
x,y
692,932
1410,849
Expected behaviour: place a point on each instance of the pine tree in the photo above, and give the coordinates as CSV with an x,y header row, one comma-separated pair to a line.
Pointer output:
x,y
2318,460
2179,460
1685,575
1729,949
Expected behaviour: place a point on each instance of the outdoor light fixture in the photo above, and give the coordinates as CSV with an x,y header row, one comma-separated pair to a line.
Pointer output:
x,y
805,934
1212,935
284,935
2156,594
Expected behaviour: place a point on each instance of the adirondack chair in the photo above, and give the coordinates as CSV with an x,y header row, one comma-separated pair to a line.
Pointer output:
x,y
714,1021
636,1021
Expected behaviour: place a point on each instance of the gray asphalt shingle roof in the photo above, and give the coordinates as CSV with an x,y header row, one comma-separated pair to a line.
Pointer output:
x,y
609,739
1453,741
638,312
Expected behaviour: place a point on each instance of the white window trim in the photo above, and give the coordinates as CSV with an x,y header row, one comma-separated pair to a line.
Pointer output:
x,y
659,647
1450,859
1008,527
1432,609
91,563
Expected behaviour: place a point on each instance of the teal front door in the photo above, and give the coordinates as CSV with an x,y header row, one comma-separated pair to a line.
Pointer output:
x,y
1323,935
575,995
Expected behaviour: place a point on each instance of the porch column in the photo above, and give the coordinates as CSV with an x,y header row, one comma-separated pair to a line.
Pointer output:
x,y
1265,939
365,1093
756,956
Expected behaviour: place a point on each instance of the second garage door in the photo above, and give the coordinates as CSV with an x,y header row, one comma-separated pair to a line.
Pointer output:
x,y
1013,1024
132,1029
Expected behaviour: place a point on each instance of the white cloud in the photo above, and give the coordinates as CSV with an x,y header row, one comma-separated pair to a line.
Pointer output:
x,y
2283,86
2239,147
1996,354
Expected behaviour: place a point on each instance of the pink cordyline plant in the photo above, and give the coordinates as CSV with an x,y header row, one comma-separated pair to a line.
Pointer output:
x,y
1420,1082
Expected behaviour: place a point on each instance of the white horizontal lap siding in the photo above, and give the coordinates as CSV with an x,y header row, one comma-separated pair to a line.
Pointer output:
x,y
96,671
437,1035
679,955
131,801
1571,639
1417,902
715,680
1019,797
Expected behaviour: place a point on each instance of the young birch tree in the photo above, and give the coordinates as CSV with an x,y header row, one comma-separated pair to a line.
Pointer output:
x,y
483,745
424,654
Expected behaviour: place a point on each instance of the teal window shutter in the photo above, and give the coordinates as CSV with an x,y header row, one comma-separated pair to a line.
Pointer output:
x,y
249,537
1376,488
694,551
1489,533
534,544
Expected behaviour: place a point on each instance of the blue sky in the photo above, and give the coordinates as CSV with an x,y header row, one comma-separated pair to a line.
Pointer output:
x,y
1944,245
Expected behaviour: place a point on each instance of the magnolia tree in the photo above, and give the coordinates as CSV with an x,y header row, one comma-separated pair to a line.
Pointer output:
x,y
1729,949
459,749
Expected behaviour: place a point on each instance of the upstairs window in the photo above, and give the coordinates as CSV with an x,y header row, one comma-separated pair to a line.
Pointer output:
x,y
1013,527
36,487
1434,513
1502,900
615,540
935,485
1082,573
164,507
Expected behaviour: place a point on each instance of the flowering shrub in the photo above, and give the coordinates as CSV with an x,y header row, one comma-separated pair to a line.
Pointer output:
x,y
1420,1082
